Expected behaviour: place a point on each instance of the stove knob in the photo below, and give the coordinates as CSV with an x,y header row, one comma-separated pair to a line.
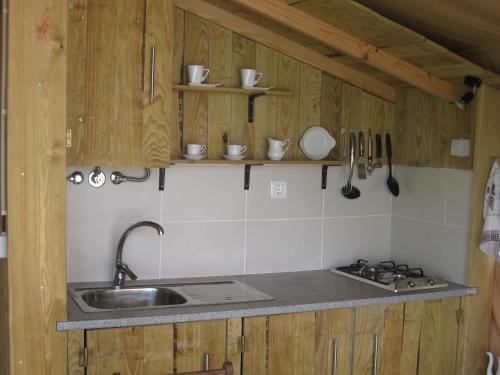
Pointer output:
x,y
411,284
431,282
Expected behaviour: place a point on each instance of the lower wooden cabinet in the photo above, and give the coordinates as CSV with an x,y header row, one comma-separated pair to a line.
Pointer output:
x,y
418,338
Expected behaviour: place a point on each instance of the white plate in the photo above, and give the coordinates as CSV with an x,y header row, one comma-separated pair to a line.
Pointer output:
x,y
205,84
316,143
258,88
234,157
194,157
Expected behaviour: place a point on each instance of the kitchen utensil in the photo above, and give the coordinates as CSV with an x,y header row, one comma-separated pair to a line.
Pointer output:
x,y
277,148
249,77
234,157
235,150
392,184
258,88
316,143
378,151
348,190
343,145
205,84
197,73
361,160
194,156
370,167
195,149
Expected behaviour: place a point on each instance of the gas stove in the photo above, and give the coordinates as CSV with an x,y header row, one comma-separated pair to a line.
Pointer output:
x,y
390,276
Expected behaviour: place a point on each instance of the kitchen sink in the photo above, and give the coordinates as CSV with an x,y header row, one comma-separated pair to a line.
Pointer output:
x,y
167,295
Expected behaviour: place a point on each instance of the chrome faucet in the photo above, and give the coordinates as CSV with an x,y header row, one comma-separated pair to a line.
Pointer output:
x,y
122,269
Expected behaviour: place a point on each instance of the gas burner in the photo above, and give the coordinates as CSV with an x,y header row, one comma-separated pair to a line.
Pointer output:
x,y
390,275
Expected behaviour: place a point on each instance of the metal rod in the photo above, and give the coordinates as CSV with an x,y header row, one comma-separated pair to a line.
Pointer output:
x,y
375,354
152,78
334,356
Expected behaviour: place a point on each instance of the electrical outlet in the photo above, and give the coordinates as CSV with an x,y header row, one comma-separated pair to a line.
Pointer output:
x,y
279,189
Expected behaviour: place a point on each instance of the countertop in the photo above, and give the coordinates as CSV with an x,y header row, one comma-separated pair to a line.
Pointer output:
x,y
292,291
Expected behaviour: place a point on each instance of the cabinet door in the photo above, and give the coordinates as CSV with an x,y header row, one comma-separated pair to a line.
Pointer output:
x,y
378,339
137,351
333,346
119,95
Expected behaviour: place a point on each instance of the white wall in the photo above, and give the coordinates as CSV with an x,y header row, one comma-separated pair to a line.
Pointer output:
x,y
214,227
430,220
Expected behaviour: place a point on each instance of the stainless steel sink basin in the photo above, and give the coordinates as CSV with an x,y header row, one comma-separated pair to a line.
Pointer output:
x,y
127,298
168,295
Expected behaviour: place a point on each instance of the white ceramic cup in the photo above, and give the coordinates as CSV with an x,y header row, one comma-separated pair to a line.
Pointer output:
x,y
197,73
277,148
194,149
235,150
250,77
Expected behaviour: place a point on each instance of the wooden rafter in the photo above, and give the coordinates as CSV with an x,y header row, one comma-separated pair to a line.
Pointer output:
x,y
350,45
280,43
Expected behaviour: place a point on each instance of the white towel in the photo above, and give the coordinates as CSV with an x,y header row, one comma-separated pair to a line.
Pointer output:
x,y
490,238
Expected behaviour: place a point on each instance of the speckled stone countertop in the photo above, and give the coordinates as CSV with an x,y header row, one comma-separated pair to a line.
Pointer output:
x,y
292,292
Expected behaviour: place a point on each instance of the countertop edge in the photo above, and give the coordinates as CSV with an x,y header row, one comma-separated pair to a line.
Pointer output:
x,y
259,311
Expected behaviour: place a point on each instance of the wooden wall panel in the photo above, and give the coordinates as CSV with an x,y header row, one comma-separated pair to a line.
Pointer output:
x,y
219,115
291,344
266,111
195,339
485,116
4,318
411,337
289,107
37,36
178,76
244,56
254,360
131,351
334,325
331,111
196,49
310,101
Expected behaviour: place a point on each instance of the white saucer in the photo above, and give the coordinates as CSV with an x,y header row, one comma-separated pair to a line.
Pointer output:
x,y
194,157
257,88
234,157
205,84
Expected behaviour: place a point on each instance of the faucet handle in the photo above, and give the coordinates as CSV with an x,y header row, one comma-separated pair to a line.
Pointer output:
x,y
123,267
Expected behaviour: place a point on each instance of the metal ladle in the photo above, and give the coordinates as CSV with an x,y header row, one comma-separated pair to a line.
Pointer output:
x,y
348,190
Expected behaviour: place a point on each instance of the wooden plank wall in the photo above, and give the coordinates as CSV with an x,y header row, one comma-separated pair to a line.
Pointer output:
x,y
4,318
475,340
317,98
425,126
36,185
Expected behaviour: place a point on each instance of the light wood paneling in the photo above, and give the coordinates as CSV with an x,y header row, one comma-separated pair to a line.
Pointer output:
x,y
485,117
76,343
411,337
196,51
310,100
291,344
195,339
331,111
36,184
219,115
134,350
438,344
177,77
333,325
4,318
254,359
234,330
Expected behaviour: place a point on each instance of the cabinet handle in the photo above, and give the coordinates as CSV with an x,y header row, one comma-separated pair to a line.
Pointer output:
x,y
334,357
375,355
152,78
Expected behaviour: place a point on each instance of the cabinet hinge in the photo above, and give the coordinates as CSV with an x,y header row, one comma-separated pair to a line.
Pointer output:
x,y
68,138
83,360
242,347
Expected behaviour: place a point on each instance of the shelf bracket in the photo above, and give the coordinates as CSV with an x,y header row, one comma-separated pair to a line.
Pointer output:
x,y
246,184
251,105
324,176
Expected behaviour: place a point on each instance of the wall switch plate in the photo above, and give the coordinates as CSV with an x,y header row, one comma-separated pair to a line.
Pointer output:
x,y
279,189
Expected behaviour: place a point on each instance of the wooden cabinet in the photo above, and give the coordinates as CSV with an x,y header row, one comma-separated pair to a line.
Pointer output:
x,y
119,82
418,338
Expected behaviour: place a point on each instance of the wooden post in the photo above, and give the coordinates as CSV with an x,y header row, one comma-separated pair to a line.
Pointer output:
x,y
36,185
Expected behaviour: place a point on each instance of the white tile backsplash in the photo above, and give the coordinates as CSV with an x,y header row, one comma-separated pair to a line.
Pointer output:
x,y
283,245
422,193
305,197
203,249
214,227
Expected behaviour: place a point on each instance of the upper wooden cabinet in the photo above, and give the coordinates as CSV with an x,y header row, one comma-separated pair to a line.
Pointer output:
x,y
119,82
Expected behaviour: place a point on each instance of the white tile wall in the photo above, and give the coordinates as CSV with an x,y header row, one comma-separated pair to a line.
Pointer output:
x,y
214,227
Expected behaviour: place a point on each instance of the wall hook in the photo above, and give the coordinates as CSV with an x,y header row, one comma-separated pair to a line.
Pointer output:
x,y
117,177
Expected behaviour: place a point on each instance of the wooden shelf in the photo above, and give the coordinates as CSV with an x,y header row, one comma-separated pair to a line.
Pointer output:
x,y
230,90
259,162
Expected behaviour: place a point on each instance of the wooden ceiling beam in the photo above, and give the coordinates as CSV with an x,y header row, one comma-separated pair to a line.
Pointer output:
x,y
286,46
350,45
